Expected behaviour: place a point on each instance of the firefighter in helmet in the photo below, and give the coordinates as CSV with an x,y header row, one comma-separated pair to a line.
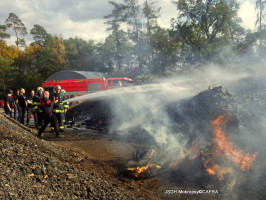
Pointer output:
x,y
37,107
65,104
47,109
57,98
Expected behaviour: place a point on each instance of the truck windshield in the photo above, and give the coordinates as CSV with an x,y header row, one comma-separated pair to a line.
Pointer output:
x,y
117,83
127,83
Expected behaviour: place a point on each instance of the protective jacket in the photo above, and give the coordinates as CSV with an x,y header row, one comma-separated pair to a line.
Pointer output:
x,y
36,103
49,117
46,106
65,104
57,98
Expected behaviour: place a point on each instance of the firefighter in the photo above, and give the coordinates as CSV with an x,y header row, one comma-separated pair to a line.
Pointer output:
x,y
22,105
66,106
57,98
37,107
8,103
15,97
48,116
30,110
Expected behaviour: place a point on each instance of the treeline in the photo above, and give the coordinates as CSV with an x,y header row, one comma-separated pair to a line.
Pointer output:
x,y
202,32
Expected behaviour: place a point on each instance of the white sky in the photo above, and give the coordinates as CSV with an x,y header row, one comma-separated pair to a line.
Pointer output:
x,y
84,18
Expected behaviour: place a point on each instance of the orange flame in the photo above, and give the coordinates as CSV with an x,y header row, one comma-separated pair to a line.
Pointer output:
x,y
212,170
140,170
173,164
244,161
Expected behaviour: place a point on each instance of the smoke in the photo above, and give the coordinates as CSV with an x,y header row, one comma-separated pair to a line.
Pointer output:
x,y
180,86
146,106
149,108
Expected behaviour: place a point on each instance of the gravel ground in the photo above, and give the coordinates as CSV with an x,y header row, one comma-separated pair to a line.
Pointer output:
x,y
31,168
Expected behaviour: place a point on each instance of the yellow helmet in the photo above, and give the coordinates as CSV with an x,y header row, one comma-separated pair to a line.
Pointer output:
x,y
39,89
63,91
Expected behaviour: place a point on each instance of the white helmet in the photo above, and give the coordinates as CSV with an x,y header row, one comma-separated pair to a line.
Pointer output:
x,y
57,87
39,89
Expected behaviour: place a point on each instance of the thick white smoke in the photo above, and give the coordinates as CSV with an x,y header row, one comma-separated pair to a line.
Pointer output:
x,y
146,106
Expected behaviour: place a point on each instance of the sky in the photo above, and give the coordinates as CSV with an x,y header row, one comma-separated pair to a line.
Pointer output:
x,y
84,18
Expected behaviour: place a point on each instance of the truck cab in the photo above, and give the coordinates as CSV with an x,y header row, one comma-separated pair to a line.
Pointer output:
x,y
118,82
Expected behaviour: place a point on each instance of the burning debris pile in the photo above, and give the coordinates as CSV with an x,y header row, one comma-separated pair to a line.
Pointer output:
x,y
209,125
140,166
214,116
208,139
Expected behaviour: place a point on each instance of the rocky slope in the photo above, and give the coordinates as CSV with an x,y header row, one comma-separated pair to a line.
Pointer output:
x,y
31,168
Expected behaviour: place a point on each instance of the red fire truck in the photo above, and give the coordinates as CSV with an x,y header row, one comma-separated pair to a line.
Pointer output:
x,y
78,83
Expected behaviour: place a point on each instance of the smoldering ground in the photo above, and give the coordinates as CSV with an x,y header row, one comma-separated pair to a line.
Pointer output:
x,y
158,110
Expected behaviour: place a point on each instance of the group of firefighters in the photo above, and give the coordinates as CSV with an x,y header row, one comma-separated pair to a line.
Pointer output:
x,y
45,107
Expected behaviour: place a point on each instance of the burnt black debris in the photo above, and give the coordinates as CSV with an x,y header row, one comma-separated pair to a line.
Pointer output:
x,y
90,114
193,116
205,106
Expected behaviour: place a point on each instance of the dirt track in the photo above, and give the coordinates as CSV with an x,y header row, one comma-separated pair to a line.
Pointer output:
x,y
107,155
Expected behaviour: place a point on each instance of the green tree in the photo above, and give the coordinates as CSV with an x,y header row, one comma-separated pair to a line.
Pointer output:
x,y
260,5
25,62
19,28
260,22
114,21
26,73
80,54
5,74
206,27
151,13
105,55
39,34
245,48
2,32
52,58
132,16
166,52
